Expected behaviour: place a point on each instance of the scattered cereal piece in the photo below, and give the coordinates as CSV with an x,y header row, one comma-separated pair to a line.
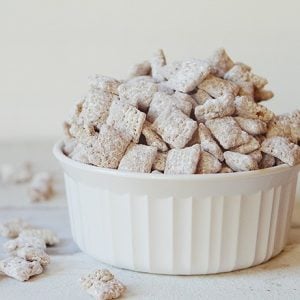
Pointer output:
x,y
140,69
157,62
30,249
247,108
215,108
240,162
160,161
208,164
137,93
15,174
49,237
108,149
138,158
252,126
41,187
251,146
182,161
33,254
201,96
283,149
20,242
12,228
267,161
189,75
152,138
126,119
104,83
220,62
217,87
102,285
227,132
20,268
162,102
175,127
208,143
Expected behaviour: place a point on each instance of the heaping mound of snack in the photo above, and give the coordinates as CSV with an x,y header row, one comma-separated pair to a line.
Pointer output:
x,y
186,117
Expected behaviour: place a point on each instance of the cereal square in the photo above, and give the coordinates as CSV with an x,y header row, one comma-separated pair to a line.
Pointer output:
x,y
220,62
251,146
137,93
108,149
208,143
208,164
247,108
252,126
217,87
175,127
104,84
20,268
138,158
182,161
160,161
157,61
240,162
227,132
201,96
126,119
282,149
215,108
188,76
152,138
95,108
162,101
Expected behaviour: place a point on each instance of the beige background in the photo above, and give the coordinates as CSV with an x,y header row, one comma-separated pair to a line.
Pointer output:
x,y
48,48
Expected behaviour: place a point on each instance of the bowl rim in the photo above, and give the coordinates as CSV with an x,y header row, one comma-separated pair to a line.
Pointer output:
x,y
60,156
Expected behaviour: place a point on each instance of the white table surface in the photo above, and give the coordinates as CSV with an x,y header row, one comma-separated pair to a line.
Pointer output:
x,y
277,279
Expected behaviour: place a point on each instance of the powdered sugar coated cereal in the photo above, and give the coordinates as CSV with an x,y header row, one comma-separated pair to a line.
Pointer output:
x,y
138,158
182,161
175,127
20,268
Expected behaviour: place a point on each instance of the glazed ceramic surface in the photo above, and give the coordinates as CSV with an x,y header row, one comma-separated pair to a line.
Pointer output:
x,y
179,224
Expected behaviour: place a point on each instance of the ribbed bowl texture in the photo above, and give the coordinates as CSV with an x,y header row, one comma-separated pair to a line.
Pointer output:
x,y
179,224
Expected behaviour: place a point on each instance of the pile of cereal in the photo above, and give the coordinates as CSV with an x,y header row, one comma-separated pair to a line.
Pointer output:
x,y
187,117
26,249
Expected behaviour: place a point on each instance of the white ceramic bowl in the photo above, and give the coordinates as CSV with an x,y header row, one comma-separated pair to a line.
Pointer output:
x,y
179,224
